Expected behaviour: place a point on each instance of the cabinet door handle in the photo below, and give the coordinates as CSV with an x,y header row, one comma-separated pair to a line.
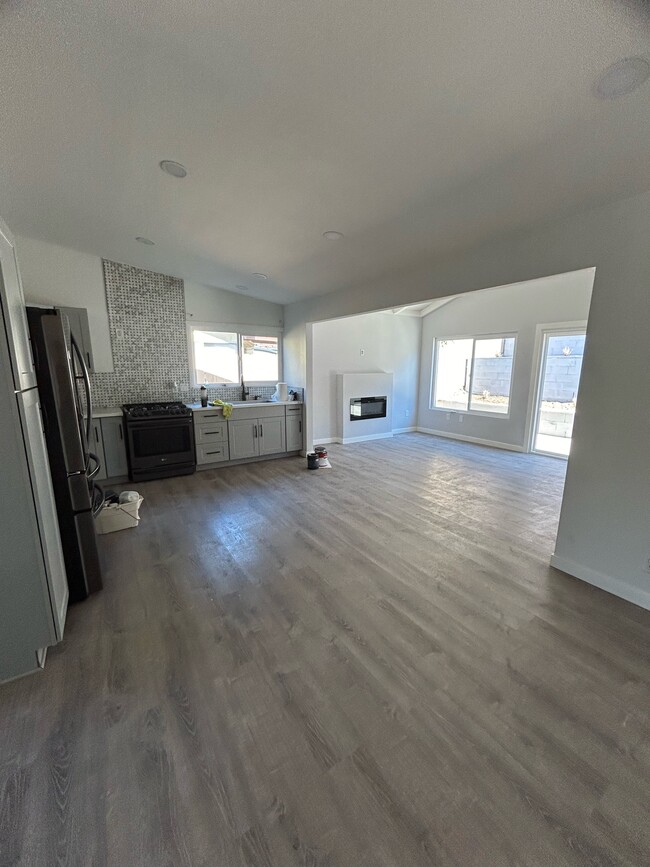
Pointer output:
x,y
89,362
96,435
254,431
119,427
261,430
300,427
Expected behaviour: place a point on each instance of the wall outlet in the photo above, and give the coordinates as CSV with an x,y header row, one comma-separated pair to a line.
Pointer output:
x,y
362,352
406,413
460,419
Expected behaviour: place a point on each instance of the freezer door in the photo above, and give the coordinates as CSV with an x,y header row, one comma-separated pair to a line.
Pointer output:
x,y
48,525
12,303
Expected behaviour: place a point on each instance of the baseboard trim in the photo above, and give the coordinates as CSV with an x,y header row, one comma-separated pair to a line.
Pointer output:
x,y
481,442
399,430
636,595
323,441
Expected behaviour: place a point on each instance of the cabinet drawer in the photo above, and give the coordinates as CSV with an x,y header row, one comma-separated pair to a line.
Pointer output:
x,y
211,454
207,416
294,409
211,433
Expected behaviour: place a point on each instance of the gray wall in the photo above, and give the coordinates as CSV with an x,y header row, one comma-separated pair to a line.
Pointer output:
x,y
514,309
604,532
391,344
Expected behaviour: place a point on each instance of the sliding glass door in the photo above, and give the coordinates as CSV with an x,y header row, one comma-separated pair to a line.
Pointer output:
x,y
557,394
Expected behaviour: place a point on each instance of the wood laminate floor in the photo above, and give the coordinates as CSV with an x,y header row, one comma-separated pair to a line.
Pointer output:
x,y
372,665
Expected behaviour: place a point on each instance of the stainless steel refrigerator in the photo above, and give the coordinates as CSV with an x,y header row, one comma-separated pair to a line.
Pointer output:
x,y
64,387
33,583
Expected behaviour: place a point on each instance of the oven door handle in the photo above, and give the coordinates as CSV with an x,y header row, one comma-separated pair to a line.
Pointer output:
x,y
151,424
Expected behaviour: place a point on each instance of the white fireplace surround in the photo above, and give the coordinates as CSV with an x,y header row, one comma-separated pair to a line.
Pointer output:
x,y
356,385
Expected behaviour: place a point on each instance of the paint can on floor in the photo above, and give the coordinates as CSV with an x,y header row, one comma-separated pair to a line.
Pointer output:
x,y
312,461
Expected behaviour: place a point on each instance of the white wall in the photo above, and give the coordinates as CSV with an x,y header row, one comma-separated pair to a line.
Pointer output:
x,y
391,344
516,309
59,275
604,532
209,304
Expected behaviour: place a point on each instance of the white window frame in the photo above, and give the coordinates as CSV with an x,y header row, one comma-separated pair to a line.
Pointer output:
x,y
499,335
240,330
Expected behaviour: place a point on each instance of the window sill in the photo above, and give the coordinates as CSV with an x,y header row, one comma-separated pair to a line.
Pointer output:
x,y
476,413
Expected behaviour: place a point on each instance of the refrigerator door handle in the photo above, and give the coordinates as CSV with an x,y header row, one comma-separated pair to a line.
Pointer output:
x,y
86,380
98,498
92,458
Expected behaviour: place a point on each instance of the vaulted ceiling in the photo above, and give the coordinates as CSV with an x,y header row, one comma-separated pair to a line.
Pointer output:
x,y
414,128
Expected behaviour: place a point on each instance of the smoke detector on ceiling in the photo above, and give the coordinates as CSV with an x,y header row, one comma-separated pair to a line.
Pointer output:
x,y
176,170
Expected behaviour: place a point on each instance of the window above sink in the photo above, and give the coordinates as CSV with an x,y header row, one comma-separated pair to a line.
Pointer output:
x,y
219,356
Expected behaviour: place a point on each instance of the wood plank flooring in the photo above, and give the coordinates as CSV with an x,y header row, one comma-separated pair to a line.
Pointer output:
x,y
372,665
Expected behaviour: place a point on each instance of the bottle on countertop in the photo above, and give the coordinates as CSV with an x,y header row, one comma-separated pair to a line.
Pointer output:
x,y
204,395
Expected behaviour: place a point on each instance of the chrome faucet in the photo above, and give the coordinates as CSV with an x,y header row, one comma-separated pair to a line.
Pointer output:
x,y
244,390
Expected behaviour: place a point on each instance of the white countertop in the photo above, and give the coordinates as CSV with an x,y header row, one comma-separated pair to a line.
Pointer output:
x,y
237,404
106,411
109,411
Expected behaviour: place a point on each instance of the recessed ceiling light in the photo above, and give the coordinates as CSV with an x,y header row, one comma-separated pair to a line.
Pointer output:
x,y
260,276
333,236
622,77
176,170
145,241
242,288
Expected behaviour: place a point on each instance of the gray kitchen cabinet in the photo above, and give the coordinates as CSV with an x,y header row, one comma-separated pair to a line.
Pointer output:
x,y
211,437
294,431
242,438
270,435
78,318
114,447
96,446
250,438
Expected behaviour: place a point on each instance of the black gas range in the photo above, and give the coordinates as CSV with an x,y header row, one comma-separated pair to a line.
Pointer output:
x,y
160,439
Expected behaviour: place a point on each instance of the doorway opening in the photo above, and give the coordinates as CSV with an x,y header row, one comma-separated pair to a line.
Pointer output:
x,y
560,366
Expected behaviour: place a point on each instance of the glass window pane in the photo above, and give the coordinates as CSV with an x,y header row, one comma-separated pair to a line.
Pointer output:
x,y
260,359
452,374
216,356
492,374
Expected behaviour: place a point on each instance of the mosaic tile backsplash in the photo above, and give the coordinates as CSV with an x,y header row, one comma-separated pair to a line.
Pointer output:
x,y
146,314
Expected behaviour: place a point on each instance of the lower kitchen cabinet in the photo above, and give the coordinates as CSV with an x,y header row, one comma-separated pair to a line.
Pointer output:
x,y
271,436
250,438
96,446
258,431
294,432
107,442
242,438
114,447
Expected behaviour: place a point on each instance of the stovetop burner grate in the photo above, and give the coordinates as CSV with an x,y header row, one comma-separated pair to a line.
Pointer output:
x,y
159,409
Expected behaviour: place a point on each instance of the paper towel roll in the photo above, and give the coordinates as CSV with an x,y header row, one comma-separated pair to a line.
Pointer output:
x,y
282,391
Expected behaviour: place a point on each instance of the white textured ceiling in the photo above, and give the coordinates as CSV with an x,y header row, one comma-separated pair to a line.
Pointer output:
x,y
415,127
